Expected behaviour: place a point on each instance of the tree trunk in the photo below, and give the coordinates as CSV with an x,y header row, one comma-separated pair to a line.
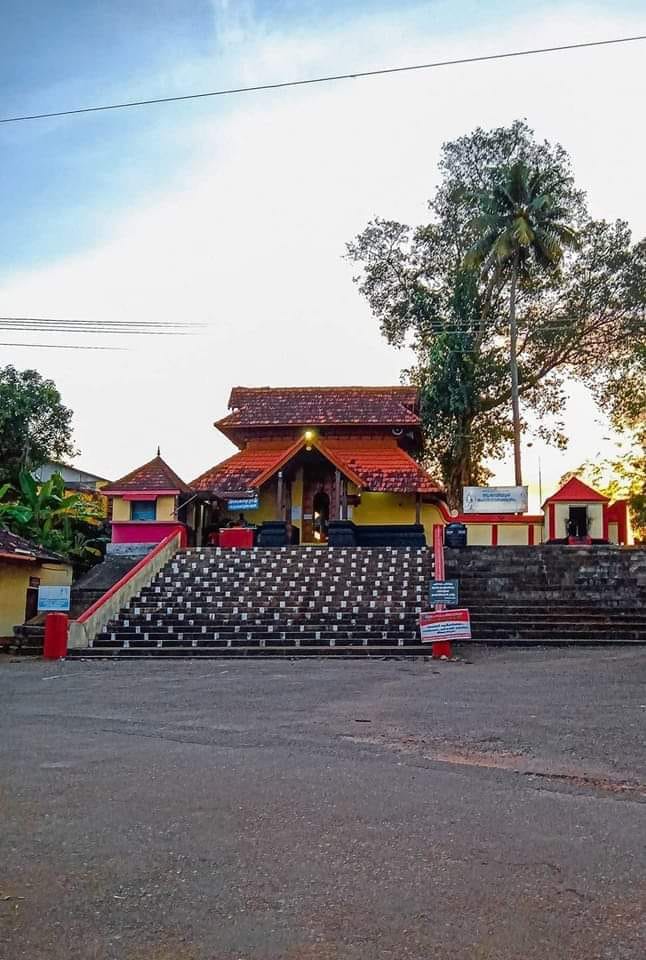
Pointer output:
x,y
515,403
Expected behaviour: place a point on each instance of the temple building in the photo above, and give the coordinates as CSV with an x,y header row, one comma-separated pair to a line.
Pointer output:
x,y
332,464
310,456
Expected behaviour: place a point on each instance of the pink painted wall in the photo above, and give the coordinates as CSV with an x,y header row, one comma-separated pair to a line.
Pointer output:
x,y
143,532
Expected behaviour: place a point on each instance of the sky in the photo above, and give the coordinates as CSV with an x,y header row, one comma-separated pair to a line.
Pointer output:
x,y
234,212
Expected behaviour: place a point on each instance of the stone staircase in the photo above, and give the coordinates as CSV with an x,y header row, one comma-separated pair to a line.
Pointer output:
x,y
209,601
552,594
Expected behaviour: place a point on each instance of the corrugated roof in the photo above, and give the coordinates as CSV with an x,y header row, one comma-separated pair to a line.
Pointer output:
x,y
151,476
318,406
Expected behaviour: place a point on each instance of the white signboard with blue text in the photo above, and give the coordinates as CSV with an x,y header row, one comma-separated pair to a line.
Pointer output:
x,y
248,503
494,500
54,599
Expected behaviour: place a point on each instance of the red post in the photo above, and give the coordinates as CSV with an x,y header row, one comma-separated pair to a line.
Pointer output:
x,y
55,646
439,648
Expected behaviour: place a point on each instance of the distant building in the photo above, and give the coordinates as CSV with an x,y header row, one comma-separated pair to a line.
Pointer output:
x,y
76,481
24,566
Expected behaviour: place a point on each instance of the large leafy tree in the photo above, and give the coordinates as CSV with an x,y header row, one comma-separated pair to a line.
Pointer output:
x,y
519,230
35,426
46,514
580,319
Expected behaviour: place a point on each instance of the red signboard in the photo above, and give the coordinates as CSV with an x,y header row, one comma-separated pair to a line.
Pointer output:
x,y
445,625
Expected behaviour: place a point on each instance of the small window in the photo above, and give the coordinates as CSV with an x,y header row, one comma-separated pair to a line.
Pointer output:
x,y
143,510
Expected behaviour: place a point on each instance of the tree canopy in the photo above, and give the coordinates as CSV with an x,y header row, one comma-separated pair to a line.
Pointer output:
x,y
67,523
583,319
35,426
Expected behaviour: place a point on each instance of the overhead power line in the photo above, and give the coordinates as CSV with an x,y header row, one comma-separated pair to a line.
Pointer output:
x,y
104,323
326,79
60,346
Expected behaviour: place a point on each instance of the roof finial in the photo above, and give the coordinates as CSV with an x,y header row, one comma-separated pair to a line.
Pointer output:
x,y
158,451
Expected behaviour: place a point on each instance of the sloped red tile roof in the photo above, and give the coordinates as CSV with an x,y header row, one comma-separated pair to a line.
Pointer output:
x,y
383,466
316,406
238,472
152,476
379,465
576,490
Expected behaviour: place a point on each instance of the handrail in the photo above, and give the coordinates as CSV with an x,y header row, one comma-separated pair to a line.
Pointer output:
x,y
93,620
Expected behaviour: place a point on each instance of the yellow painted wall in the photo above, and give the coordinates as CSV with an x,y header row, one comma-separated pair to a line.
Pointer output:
x,y
430,516
267,507
512,534
165,508
539,533
385,508
478,534
120,509
14,581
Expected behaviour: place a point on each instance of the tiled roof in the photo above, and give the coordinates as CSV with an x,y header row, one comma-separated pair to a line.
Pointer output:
x,y
152,476
383,466
238,472
316,406
379,465
21,549
576,490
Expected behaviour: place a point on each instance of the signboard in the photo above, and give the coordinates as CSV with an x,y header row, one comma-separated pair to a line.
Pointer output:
x,y
444,591
494,499
249,503
53,598
445,625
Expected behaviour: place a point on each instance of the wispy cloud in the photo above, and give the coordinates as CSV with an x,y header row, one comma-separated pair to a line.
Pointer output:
x,y
250,237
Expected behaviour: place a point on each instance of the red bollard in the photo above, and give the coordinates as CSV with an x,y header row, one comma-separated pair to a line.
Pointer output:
x,y
441,648
55,646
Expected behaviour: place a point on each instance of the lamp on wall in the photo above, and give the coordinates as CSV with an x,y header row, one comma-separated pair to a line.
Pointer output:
x,y
309,436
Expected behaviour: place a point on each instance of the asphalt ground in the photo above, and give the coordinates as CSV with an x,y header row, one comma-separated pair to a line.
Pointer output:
x,y
325,810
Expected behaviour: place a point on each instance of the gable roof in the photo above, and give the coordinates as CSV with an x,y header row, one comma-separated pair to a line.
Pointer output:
x,y
575,491
376,465
13,547
237,473
153,476
318,406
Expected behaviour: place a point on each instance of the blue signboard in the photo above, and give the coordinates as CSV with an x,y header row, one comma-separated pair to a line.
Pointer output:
x,y
250,503
444,591
53,598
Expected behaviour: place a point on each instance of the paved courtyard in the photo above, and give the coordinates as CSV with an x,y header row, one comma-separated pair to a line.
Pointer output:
x,y
325,810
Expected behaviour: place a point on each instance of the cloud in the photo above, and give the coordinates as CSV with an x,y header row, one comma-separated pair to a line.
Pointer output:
x,y
251,243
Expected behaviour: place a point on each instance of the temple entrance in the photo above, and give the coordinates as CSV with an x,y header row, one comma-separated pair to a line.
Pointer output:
x,y
577,525
321,516
318,497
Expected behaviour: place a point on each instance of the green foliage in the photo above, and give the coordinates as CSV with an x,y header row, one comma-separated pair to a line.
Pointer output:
x,y
35,426
582,318
622,478
65,523
520,218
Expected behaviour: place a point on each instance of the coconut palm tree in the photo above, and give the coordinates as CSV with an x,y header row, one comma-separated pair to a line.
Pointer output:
x,y
520,226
